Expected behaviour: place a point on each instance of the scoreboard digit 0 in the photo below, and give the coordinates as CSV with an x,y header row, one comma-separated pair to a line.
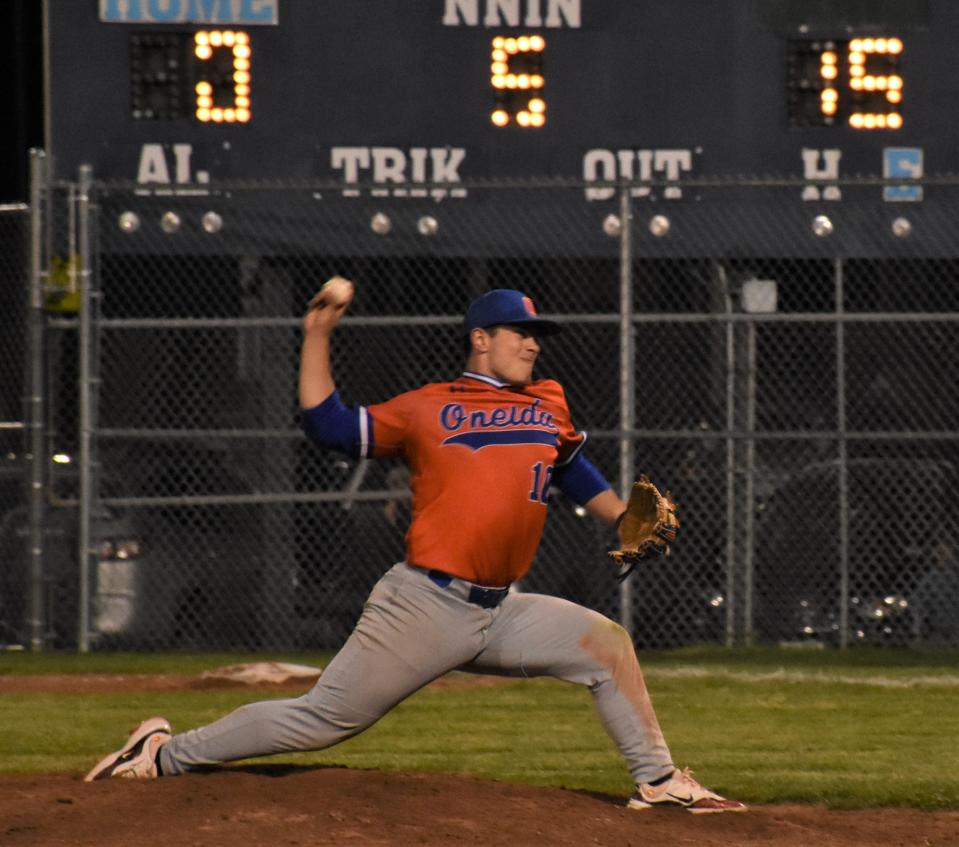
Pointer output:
x,y
204,74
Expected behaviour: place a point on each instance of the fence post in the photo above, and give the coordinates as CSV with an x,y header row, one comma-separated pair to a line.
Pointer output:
x,y
627,382
85,389
34,411
731,594
749,516
843,470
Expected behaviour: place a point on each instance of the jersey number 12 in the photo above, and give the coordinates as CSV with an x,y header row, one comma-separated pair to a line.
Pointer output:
x,y
541,479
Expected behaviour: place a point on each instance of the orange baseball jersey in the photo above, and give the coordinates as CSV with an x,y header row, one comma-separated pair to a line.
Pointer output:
x,y
481,455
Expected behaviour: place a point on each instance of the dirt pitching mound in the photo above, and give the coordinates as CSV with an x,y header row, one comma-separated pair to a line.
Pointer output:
x,y
288,805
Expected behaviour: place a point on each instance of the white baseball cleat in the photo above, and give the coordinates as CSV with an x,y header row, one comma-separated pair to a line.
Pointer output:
x,y
137,758
682,790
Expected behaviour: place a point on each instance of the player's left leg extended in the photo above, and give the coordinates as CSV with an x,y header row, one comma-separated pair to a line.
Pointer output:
x,y
538,635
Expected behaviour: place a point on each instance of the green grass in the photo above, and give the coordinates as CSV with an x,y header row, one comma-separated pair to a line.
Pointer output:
x,y
850,730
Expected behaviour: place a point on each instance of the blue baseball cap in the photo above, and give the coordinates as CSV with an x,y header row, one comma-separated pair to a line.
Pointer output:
x,y
506,306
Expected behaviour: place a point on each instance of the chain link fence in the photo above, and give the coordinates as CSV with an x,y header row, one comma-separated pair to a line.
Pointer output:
x,y
14,585
787,375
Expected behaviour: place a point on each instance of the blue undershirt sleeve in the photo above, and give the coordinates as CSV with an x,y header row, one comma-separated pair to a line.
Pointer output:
x,y
580,480
335,426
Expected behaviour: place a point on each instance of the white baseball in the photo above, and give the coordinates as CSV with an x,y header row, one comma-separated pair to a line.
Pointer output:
x,y
337,291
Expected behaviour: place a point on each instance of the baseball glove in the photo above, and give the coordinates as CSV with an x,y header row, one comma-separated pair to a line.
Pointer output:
x,y
646,528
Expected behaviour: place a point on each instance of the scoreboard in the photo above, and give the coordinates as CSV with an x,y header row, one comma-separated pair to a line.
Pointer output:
x,y
378,96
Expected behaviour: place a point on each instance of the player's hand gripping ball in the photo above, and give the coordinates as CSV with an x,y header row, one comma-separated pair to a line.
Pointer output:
x,y
328,305
647,527
336,291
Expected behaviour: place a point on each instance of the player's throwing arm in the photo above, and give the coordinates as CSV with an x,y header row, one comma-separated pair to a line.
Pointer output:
x,y
323,313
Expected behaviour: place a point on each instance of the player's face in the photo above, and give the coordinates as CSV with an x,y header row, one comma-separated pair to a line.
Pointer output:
x,y
512,353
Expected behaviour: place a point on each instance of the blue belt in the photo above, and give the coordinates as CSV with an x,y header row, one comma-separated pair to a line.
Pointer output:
x,y
488,598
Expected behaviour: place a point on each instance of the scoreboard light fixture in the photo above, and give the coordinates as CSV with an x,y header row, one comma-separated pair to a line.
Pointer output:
x,y
659,226
170,222
427,225
128,222
381,224
613,226
212,222
901,227
822,226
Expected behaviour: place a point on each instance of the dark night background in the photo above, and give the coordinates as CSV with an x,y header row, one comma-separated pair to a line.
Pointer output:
x,y
21,93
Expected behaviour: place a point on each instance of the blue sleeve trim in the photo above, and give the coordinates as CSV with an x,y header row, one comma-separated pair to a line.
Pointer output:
x,y
580,480
335,426
576,451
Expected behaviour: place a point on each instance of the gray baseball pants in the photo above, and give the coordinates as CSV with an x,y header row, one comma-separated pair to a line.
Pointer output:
x,y
412,631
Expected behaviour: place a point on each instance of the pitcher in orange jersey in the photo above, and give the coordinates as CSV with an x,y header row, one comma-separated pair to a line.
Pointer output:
x,y
483,451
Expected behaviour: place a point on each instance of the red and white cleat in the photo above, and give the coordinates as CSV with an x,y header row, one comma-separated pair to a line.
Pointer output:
x,y
682,790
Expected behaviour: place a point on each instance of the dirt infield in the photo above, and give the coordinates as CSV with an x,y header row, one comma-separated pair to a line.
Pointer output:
x,y
284,805
287,805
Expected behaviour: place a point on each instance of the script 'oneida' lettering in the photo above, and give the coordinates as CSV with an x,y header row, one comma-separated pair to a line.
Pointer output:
x,y
454,416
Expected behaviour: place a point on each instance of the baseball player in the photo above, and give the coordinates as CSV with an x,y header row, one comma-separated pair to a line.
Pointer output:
x,y
483,451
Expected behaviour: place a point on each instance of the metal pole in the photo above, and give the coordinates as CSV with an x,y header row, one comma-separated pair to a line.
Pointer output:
x,y
843,476
749,519
730,463
627,383
85,389
34,411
